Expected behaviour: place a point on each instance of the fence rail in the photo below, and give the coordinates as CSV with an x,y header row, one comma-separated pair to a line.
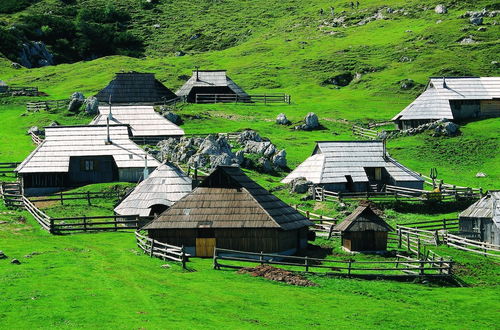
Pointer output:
x,y
161,250
47,105
7,169
349,267
36,139
234,98
88,196
461,243
28,91
364,132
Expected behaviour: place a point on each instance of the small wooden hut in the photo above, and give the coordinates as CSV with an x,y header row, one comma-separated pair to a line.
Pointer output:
x,y
453,98
77,155
354,166
481,220
3,87
229,210
164,186
135,87
364,230
206,84
147,126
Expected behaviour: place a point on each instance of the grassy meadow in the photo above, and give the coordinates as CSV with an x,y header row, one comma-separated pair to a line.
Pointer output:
x,y
103,280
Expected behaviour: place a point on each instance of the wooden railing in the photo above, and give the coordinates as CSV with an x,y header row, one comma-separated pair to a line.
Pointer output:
x,y
323,225
380,123
438,224
88,196
28,91
36,139
365,132
7,169
47,105
483,248
161,250
234,98
349,267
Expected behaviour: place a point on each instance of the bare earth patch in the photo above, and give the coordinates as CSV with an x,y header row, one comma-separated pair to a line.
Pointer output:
x,y
277,274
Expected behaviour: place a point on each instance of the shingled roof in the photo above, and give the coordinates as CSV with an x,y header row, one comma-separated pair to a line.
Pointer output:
x,y
165,185
333,160
215,78
143,120
135,87
363,219
62,142
487,207
229,199
434,102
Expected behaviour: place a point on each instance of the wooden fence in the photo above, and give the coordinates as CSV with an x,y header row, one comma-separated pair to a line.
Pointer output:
x,y
7,169
36,139
461,243
24,91
438,224
161,250
380,123
88,196
364,132
47,105
323,225
449,189
350,268
234,98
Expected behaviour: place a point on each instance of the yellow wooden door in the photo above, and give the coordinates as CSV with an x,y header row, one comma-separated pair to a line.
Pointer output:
x,y
205,247
378,174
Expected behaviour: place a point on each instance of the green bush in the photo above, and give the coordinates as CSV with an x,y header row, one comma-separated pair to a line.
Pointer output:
x,y
13,6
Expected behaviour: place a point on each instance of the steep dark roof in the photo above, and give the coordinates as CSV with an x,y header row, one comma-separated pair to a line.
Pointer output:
x,y
229,199
362,219
135,87
213,78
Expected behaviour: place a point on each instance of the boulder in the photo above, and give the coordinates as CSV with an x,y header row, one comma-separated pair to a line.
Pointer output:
x,y
407,84
340,80
265,165
239,156
258,148
222,159
282,120
35,54
172,117
34,130
300,185
279,160
15,262
476,20
78,95
481,175
249,135
467,41
91,105
450,128
54,123
16,65
441,9
76,102
3,255
270,150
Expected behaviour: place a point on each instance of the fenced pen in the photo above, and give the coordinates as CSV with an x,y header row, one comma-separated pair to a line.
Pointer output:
x,y
7,169
48,105
164,251
350,268
235,98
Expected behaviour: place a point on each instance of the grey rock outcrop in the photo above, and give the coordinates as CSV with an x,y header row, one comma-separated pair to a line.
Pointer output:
x,y
249,135
16,65
311,122
15,262
34,55
265,165
476,20
3,255
172,117
441,9
34,130
279,160
441,127
91,105
76,102
299,185
282,119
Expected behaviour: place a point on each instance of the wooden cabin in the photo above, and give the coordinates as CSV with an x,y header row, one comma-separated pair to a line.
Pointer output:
x,y
228,210
147,126
135,87
162,188
453,98
481,220
364,231
77,155
204,86
4,88
354,166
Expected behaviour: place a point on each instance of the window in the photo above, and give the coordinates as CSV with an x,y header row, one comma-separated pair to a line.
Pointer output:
x,y
88,165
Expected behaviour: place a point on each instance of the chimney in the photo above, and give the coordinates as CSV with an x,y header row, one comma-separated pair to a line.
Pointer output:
x,y
444,82
146,170
110,116
197,73
384,149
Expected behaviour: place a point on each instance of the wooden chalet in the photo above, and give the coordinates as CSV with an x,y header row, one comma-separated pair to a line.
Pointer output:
x,y
147,126
78,155
481,220
3,87
163,187
228,210
453,98
354,166
363,230
204,85
135,87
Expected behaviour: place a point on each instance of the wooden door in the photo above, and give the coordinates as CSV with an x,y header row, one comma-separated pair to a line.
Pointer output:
x,y
378,174
205,247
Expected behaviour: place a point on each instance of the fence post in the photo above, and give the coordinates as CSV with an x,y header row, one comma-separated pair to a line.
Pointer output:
x,y
408,240
51,226
62,199
307,264
307,215
183,257
116,225
418,248
88,197
399,237
349,268
422,267
441,266
152,247
216,265
261,258
444,224
330,232
84,223
436,237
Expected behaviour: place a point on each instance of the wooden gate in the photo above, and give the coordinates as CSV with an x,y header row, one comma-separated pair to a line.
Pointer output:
x,y
205,247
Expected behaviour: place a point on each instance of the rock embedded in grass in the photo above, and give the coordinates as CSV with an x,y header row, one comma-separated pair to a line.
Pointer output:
x,y
441,9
